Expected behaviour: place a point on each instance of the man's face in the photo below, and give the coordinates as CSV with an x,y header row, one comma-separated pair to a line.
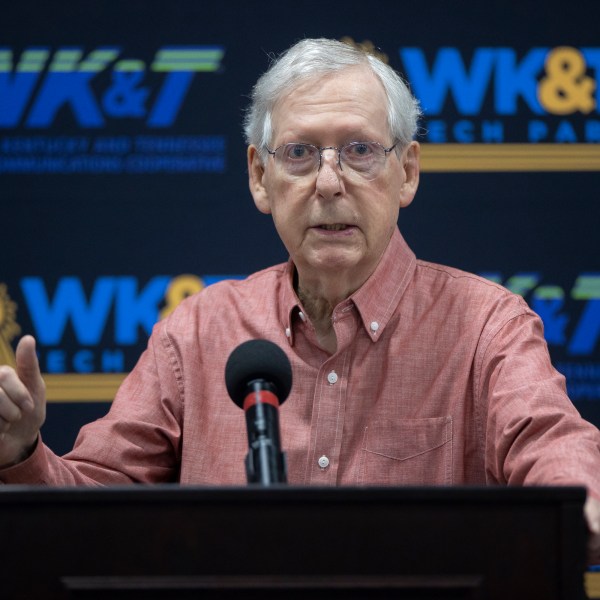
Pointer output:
x,y
333,222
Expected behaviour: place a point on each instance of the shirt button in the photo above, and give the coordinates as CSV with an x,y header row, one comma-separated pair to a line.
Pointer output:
x,y
374,326
323,462
332,377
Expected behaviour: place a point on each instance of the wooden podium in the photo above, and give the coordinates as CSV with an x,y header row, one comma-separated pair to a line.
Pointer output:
x,y
173,542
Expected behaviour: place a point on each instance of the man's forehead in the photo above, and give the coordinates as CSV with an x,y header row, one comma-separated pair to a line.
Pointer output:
x,y
352,91
360,77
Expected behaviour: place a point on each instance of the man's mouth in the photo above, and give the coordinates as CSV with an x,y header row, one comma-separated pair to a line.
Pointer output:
x,y
334,227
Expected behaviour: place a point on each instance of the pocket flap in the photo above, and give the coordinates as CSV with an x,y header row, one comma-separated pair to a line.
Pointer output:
x,y
407,438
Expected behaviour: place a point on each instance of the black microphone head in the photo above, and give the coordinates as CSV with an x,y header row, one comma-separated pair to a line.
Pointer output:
x,y
257,359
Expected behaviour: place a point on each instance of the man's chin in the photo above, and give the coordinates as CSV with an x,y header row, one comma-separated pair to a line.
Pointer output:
x,y
337,262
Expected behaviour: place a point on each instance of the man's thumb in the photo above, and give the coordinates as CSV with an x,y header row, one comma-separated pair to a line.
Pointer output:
x,y
28,367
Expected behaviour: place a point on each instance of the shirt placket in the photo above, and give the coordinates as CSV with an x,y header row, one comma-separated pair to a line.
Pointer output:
x,y
330,408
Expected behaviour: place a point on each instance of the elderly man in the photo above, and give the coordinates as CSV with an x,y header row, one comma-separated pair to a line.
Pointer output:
x,y
405,372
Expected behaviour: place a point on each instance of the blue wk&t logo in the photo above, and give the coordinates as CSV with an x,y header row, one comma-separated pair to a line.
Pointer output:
x,y
32,99
556,86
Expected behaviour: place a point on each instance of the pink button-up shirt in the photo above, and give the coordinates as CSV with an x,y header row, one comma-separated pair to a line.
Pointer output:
x,y
440,377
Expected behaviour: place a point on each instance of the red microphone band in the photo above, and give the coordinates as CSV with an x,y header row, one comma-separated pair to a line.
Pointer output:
x,y
263,396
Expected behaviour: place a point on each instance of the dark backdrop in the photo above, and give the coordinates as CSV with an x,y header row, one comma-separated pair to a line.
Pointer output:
x,y
102,209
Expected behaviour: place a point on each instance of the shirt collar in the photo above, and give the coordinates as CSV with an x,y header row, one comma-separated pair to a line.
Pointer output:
x,y
375,301
379,296
289,303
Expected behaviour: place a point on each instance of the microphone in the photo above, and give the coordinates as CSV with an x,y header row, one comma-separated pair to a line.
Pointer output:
x,y
258,376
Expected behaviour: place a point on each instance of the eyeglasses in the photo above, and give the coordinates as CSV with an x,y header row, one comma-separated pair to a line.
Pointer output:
x,y
366,159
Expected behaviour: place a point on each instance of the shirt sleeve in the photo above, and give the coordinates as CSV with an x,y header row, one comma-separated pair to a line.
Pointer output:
x,y
534,435
139,440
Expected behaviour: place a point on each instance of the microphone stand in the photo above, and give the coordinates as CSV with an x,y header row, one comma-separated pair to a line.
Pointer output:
x,y
265,463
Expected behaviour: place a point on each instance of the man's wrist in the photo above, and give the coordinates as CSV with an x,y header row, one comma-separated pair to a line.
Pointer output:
x,y
23,455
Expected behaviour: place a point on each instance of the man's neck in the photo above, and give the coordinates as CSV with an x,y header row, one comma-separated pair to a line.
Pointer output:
x,y
319,303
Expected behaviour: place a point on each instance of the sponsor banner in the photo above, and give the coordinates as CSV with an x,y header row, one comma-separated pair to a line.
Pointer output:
x,y
121,152
571,326
88,337
506,110
497,95
102,110
117,107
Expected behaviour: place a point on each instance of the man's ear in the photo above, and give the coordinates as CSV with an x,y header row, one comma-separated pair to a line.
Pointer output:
x,y
410,161
256,174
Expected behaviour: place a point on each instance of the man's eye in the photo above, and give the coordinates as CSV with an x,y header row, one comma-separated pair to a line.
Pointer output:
x,y
359,150
297,151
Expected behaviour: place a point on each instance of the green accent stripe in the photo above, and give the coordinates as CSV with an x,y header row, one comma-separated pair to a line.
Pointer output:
x,y
62,68
587,287
183,66
31,61
68,55
187,59
97,60
549,292
65,61
90,67
130,66
35,54
521,284
28,68
104,55
189,54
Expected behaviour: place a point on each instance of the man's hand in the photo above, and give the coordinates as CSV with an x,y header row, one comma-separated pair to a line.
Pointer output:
x,y
592,516
22,404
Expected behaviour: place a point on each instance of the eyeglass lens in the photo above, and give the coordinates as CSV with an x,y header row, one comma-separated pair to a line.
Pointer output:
x,y
363,158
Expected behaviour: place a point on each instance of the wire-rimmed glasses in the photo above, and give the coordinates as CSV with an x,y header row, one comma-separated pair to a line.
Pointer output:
x,y
366,159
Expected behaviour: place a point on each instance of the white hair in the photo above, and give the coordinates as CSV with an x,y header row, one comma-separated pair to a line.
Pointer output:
x,y
312,58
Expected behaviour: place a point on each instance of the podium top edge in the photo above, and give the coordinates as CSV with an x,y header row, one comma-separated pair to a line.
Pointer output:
x,y
289,494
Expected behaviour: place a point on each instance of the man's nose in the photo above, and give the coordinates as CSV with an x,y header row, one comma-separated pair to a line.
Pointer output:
x,y
329,177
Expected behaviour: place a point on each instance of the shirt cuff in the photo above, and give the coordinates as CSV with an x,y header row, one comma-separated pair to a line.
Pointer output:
x,y
33,470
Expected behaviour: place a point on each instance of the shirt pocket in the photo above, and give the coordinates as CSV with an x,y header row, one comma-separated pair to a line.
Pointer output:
x,y
407,452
